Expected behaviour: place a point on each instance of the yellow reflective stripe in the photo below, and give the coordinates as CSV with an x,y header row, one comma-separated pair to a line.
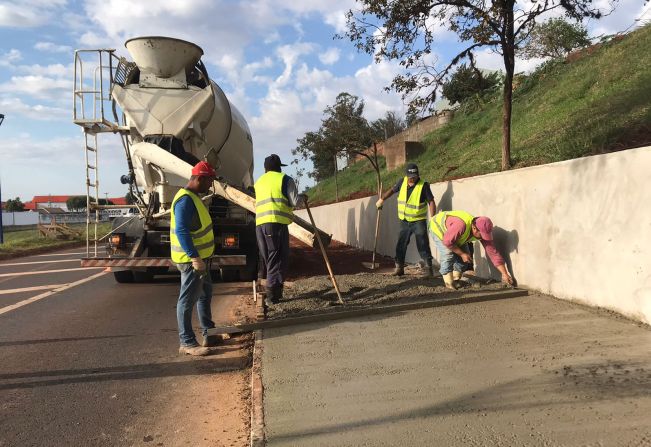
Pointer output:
x,y
416,207
281,200
201,233
275,213
179,249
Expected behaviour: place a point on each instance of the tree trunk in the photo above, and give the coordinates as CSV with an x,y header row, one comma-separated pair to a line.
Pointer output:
x,y
336,183
508,50
376,166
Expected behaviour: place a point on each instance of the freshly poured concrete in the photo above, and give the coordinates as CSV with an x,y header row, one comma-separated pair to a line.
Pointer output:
x,y
527,371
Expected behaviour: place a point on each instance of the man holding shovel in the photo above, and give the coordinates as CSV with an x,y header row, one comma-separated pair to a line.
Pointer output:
x,y
276,196
192,244
414,200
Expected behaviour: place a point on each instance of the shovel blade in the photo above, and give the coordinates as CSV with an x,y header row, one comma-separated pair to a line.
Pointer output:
x,y
371,265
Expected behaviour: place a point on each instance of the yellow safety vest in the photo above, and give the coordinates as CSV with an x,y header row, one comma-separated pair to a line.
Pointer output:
x,y
203,239
411,209
271,206
438,226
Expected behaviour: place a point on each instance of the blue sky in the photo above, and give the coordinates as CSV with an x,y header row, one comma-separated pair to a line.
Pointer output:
x,y
276,60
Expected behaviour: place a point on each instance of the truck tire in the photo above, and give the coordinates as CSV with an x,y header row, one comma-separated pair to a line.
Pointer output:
x,y
142,277
123,276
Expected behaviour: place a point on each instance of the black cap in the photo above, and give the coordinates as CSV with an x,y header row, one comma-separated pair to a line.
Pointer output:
x,y
273,163
411,170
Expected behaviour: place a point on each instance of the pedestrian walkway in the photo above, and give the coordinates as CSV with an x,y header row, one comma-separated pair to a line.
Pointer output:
x,y
525,371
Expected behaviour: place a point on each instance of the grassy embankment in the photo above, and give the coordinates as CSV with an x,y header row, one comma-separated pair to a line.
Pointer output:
x,y
26,240
596,103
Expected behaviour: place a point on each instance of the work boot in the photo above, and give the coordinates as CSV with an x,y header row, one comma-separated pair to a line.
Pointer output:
x,y
456,278
449,281
211,340
426,271
274,295
399,270
194,350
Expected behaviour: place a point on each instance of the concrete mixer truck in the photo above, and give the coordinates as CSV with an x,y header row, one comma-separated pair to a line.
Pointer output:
x,y
169,115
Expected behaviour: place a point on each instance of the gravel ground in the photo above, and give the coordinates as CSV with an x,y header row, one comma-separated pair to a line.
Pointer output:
x,y
316,294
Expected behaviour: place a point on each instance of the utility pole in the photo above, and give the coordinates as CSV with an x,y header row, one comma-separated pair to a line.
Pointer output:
x,y
2,236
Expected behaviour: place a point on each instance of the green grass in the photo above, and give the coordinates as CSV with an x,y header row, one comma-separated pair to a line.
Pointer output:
x,y
597,104
27,240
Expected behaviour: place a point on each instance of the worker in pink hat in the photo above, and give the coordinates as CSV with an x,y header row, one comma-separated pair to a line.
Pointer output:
x,y
452,230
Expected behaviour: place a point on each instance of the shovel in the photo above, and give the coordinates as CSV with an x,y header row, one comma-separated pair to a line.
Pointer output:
x,y
373,265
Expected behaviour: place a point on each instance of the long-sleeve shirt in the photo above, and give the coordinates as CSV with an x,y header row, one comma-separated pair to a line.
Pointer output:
x,y
290,191
456,227
187,220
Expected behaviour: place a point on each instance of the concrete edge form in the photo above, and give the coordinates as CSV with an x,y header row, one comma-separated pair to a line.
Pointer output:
x,y
257,393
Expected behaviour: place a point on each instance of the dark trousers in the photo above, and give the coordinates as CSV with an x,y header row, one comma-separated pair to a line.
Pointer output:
x,y
273,244
419,230
471,252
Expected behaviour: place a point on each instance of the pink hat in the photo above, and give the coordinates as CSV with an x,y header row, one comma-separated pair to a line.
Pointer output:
x,y
485,227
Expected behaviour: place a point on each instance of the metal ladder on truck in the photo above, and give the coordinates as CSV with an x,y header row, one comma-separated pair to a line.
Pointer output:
x,y
94,72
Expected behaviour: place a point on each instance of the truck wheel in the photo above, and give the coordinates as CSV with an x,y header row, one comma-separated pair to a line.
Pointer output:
x,y
229,275
141,277
123,277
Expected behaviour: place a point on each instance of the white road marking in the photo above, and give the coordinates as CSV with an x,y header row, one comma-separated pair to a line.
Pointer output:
x,y
60,254
33,299
41,272
32,289
40,262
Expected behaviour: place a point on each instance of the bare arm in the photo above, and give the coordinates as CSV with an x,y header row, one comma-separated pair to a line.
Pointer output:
x,y
387,194
432,208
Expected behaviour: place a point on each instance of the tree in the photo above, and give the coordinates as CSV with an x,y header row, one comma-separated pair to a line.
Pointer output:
x,y
404,31
390,125
466,82
76,203
555,38
130,198
343,131
14,205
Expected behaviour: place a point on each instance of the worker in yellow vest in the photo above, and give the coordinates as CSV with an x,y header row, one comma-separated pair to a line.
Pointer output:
x,y
192,244
452,231
276,196
415,198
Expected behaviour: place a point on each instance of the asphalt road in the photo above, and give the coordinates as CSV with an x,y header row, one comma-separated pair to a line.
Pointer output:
x,y
97,363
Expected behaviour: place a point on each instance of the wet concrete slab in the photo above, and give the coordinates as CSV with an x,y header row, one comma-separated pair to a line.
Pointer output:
x,y
525,371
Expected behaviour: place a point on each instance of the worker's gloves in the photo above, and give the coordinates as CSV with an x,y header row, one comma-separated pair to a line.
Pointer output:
x,y
198,264
379,203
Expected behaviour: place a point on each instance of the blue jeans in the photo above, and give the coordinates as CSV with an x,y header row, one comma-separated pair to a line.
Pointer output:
x,y
194,289
419,230
449,259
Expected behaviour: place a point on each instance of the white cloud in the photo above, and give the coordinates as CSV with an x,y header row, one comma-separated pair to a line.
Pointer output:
x,y
51,47
8,59
15,106
29,13
38,86
330,56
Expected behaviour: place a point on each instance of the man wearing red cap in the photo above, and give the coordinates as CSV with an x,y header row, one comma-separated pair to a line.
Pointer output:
x,y
192,244
452,231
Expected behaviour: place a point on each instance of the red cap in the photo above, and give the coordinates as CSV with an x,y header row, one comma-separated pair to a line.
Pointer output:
x,y
485,227
203,169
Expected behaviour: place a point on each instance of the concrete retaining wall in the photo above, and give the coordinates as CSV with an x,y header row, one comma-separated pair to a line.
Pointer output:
x,y
579,230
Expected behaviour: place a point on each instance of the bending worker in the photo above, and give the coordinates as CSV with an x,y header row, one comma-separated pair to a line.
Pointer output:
x,y
276,196
414,199
452,231
192,244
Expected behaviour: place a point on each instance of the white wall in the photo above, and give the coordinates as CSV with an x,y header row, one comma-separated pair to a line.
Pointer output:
x,y
19,218
579,230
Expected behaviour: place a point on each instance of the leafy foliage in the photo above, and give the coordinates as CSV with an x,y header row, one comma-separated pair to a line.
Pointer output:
x,y
467,82
76,203
555,38
390,125
14,205
404,31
